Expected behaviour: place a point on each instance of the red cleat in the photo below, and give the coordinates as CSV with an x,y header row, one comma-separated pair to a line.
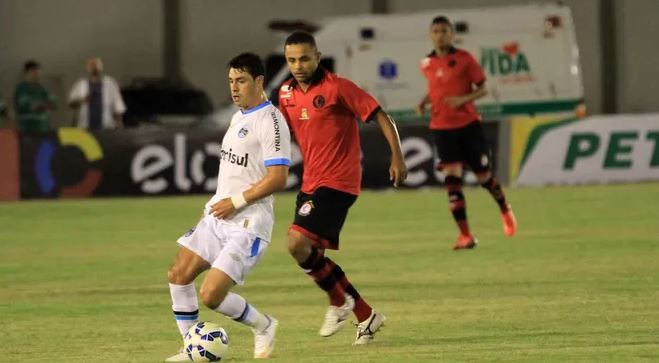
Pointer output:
x,y
465,242
509,222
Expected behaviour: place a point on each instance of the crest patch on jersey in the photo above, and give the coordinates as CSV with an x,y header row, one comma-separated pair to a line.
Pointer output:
x,y
318,101
242,132
484,160
305,209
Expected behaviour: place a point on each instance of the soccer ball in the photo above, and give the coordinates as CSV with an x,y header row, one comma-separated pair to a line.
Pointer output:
x,y
206,342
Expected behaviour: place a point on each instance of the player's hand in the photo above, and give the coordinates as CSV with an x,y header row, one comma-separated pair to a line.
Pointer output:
x,y
455,101
420,109
223,209
397,171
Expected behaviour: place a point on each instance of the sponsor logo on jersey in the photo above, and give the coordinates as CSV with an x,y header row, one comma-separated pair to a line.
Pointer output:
x,y
304,115
232,158
277,132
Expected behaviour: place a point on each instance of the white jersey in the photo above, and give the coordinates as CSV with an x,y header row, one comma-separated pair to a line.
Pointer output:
x,y
257,138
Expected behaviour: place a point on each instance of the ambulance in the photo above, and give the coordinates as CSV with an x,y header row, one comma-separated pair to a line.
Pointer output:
x,y
529,54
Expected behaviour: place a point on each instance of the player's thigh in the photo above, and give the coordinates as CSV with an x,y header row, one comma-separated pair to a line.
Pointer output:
x,y
321,217
447,144
186,267
475,148
199,247
241,251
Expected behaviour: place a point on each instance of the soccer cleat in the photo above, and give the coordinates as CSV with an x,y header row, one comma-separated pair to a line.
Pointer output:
x,y
264,341
509,222
465,241
367,328
336,317
181,356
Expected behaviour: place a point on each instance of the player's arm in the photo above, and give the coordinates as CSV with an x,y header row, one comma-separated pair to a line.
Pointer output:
x,y
456,101
421,107
397,168
274,180
477,78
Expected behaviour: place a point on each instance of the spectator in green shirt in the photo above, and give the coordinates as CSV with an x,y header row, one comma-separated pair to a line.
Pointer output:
x,y
33,101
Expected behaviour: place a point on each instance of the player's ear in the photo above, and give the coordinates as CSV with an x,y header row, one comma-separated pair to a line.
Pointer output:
x,y
259,80
318,55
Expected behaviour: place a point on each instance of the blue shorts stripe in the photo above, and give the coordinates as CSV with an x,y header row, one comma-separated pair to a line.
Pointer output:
x,y
255,247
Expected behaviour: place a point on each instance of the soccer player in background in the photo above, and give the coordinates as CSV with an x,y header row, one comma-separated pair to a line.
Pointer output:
x,y
455,81
321,109
236,226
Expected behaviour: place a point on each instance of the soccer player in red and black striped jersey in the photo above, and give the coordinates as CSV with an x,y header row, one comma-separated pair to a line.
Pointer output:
x,y
322,111
455,81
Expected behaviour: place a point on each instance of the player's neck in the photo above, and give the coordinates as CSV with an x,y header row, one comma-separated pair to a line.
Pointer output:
x,y
258,101
442,51
304,86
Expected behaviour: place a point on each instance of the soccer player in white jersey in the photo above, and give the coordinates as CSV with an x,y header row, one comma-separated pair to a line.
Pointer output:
x,y
235,229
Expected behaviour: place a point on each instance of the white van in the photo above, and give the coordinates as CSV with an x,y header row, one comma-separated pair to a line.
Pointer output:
x,y
529,54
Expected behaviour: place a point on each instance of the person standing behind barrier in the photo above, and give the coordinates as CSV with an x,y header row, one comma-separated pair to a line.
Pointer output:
x,y
455,81
321,109
97,99
33,101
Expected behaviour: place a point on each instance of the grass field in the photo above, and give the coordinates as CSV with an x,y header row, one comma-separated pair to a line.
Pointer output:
x,y
85,280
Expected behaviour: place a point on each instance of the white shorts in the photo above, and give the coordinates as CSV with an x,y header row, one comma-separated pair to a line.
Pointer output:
x,y
225,246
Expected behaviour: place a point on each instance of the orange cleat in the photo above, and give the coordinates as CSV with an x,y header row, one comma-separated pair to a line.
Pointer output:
x,y
509,222
465,242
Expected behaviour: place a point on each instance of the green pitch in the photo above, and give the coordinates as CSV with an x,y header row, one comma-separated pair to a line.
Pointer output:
x,y
85,280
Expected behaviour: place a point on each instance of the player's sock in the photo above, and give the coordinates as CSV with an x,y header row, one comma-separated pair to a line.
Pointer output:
x,y
493,186
362,310
316,266
457,203
237,308
185,306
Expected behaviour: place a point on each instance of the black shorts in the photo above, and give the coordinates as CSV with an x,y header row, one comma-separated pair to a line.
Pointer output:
x,y
320,216
465,145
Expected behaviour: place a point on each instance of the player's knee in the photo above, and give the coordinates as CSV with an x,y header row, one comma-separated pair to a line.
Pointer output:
x,y
452,170
297,245
176,276
483,177
211,298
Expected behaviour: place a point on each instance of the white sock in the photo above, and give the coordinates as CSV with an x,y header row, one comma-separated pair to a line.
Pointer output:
x,y
185,306
236,307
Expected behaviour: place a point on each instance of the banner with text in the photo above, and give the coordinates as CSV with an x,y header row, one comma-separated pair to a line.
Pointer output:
x,y
72,162
599,149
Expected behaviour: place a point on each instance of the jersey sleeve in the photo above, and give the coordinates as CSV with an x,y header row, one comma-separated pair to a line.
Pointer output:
x,y
424,65
275,139
476,75
356,99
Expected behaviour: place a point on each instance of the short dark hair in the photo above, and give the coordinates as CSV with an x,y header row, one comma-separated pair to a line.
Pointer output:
x,y
301,37
441,19
248,62
30,65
